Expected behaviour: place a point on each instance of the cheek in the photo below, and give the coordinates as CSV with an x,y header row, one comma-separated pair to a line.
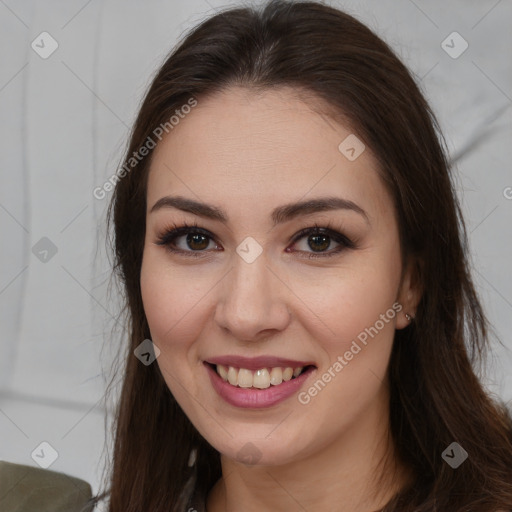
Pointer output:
x,y
176,310
357,307
174,303
361,318
348,301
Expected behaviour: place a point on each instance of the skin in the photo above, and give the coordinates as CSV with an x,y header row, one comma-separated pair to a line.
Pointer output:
x,y
247,153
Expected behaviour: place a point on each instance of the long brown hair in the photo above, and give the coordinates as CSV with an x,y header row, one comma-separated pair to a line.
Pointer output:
x,y
436,397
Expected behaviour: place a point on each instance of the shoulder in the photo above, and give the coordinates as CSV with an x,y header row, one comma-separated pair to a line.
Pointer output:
x,y
30,489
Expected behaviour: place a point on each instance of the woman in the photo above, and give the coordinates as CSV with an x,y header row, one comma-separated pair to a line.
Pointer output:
x,y
293,254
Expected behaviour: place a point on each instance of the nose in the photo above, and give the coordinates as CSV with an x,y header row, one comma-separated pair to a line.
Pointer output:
x,y
252,302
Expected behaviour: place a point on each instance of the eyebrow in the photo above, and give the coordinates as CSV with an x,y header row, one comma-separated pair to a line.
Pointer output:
x,y
279,215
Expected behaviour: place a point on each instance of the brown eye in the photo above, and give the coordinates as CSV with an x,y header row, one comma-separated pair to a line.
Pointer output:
x,y
317,242
188,241
197,241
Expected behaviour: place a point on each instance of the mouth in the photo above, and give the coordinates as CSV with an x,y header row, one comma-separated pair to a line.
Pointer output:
x,y
262,378
259,382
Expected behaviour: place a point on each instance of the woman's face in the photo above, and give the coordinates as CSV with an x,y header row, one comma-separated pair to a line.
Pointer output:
x,y
252,171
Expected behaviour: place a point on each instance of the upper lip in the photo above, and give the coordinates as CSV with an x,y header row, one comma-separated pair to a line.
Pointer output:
x,y
257,363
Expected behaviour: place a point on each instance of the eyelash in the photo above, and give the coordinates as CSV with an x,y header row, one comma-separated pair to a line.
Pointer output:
x,y
170,234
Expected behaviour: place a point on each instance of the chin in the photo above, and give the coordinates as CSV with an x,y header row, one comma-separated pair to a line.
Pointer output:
x,y
261,451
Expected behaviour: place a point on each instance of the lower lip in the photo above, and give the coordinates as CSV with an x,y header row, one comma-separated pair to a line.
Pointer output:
x,y
252,398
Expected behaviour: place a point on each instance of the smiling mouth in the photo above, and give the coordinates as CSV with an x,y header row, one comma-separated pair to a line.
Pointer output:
x,y
259,379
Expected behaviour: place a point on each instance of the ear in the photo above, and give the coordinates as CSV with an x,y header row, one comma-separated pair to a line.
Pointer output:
x,y
409,294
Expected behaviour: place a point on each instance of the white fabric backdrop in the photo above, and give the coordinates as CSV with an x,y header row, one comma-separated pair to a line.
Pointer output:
x,y
64,121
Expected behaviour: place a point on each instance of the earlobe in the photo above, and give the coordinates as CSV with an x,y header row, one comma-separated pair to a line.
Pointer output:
x,y
409,296
404,319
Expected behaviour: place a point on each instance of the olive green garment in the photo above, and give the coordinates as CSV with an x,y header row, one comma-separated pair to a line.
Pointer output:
x,y
31,489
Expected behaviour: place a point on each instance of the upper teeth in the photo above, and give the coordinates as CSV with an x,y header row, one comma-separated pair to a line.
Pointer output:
x,y
260,378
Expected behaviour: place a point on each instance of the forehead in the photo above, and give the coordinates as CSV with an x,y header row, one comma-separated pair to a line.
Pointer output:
x,y
240,147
